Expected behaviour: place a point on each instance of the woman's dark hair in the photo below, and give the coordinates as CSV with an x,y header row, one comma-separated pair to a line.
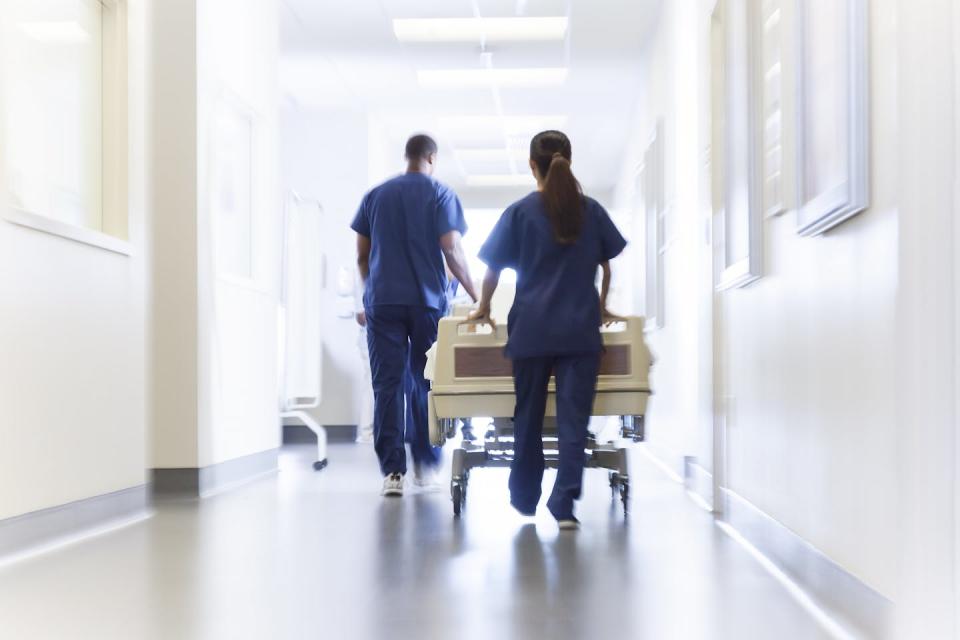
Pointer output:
x,y
562,194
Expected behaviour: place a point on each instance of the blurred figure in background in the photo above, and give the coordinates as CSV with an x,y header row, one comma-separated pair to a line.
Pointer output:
x,y
365,421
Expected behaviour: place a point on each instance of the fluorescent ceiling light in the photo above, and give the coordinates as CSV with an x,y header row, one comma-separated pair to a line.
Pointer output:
x,y
511,125
55,32
483,155
484,78
506,180
480,29
493,157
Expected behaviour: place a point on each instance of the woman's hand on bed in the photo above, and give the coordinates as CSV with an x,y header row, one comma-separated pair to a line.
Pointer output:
x,y
481,316
608,317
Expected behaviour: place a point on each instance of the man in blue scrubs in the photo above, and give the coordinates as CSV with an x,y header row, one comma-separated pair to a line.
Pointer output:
x,y
406,228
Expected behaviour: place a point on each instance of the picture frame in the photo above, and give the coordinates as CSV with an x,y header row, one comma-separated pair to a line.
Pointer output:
x,y
832,84
651,204
738,162
771,87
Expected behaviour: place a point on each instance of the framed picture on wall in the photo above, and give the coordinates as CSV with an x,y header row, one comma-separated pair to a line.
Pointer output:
x,y
832,118
771,86
651,205
737,159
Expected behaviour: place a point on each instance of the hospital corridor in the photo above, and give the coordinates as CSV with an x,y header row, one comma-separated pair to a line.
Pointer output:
x,y
479,319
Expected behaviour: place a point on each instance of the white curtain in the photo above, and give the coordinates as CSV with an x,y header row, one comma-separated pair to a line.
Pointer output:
x,y
303,281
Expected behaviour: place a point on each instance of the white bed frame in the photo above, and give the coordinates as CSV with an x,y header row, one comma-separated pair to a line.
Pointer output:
x,y
471,378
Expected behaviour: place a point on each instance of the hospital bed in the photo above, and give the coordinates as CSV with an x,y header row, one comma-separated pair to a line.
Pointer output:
x,y
472,378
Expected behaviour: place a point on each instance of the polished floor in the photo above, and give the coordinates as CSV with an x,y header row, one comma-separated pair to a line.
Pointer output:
x,y
320,555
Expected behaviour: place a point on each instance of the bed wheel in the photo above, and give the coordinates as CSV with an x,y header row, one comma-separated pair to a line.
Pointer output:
x,y
320,465
614,484
459,497
625,496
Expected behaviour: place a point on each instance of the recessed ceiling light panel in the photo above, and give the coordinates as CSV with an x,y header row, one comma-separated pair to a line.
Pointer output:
x,y
505,180
512,125
521,29
533,78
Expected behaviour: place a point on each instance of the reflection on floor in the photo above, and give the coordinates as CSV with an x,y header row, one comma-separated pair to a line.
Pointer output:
x,y
321,555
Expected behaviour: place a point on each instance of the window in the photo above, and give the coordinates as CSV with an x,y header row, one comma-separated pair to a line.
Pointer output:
x,y
62,113
481,223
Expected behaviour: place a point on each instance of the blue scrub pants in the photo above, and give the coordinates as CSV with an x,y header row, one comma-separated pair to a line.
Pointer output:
x,y
576,387
399,337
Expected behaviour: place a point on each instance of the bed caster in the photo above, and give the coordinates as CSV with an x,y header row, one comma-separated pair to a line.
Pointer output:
x,y
459,494
319,465
620,484
460,476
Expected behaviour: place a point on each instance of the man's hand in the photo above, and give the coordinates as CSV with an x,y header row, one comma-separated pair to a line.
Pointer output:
x,y
482,314
456,261
361,318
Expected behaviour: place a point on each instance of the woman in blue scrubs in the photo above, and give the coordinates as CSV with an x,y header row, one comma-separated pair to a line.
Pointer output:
x,y
556,239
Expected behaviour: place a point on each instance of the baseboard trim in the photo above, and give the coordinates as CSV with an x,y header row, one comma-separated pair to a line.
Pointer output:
x,y
698,481
48,528
301,434
839,593
671,465
206,481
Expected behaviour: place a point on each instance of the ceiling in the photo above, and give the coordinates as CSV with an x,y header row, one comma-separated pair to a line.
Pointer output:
x,y
345,55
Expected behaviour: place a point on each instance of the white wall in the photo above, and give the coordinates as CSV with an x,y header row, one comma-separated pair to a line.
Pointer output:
x,y
324,156
926,373
812,427
237,59
669,95
215,333
72,343
812,418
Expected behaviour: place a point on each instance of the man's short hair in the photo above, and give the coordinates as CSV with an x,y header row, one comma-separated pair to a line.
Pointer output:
x,y
420,146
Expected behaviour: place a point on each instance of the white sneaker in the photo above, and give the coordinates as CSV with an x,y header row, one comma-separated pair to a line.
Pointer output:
x,y
569,525
392,485
427,478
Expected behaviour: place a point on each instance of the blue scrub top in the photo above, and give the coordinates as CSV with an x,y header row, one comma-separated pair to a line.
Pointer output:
x,y
405,218
557,307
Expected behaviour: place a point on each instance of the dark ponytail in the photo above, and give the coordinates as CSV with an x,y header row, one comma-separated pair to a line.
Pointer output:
x,y
562,195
